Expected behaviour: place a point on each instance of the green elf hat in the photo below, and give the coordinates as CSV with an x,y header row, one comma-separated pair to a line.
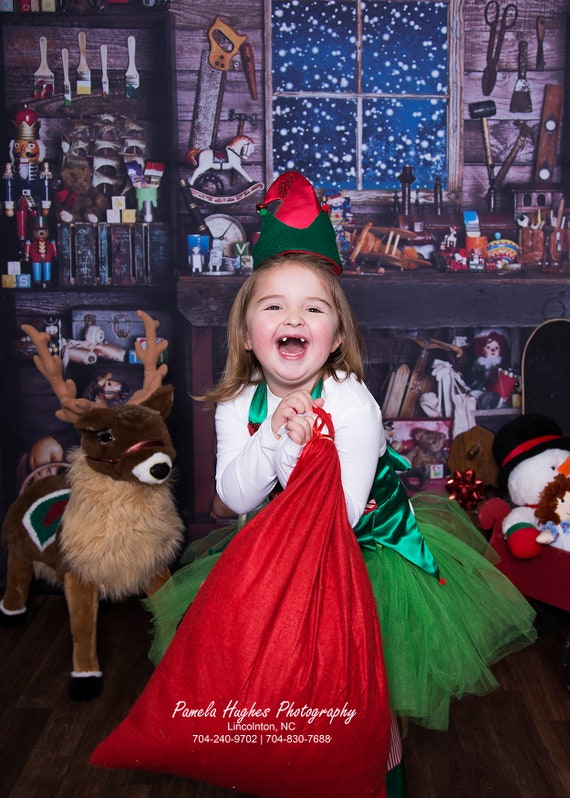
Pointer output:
x,y
299,224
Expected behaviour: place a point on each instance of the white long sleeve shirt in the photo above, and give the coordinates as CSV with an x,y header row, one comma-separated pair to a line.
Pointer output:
x,y
249,466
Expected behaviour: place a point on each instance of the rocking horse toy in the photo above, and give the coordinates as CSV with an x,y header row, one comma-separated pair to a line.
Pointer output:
x,y
108,527
239,149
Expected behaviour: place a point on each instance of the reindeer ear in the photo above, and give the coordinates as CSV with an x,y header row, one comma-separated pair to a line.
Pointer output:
x,y
161,400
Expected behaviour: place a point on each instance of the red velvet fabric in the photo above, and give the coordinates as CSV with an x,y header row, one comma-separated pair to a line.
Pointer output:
x,y
284,634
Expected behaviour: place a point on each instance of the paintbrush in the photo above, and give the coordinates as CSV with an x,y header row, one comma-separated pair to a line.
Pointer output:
x,y
104,75
83,71
66,83
43,76
132,79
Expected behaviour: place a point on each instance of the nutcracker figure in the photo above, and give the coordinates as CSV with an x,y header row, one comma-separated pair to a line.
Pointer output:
x,y
41,252
27,181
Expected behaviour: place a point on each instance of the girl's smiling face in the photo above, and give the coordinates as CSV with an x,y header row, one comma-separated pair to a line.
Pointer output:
x,y
292,327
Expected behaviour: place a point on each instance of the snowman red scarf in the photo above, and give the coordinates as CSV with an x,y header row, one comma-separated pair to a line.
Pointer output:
x,y
274,683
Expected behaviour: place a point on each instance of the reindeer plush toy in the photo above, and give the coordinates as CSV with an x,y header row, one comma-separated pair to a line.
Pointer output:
x,y
108,528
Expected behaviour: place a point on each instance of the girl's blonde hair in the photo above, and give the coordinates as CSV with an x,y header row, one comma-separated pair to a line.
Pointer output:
x,y
242,367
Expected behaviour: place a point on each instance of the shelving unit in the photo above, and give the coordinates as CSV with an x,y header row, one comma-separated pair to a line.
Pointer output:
x,y
27,407
152,110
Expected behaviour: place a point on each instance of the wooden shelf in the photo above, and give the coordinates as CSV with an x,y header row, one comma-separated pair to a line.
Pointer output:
x,y
404,300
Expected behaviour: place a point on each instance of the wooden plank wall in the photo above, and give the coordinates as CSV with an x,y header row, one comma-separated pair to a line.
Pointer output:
x,y
192,22
193,19
502,129
20,60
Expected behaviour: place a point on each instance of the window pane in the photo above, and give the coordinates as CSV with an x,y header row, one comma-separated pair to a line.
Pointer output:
x,y
349,112
398,132
314,46
404,48
316,137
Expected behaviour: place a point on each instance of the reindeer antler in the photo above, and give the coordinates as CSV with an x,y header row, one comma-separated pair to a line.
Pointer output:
x,y
148,355
51,367
72,408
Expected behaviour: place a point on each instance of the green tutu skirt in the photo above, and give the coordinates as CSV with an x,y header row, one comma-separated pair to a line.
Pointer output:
x,y
439,640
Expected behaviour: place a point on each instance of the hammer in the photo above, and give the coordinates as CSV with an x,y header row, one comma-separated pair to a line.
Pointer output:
x,y
483,110
525,132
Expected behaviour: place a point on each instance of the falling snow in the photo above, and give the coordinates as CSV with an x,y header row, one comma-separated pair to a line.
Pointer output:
x,y
404,53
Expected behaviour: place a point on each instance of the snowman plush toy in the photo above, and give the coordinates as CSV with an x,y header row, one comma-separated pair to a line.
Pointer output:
x,y
530,451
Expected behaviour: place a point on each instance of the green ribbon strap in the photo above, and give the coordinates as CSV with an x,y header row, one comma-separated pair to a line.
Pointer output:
x,y
389,519
258,406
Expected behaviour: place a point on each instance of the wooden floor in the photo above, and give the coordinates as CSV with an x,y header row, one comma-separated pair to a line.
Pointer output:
x,y
514,743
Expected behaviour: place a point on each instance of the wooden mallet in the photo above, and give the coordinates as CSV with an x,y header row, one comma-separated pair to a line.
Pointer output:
x,y
483,110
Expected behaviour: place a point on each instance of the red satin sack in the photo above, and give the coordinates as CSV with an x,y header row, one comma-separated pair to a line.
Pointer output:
x,y
274,683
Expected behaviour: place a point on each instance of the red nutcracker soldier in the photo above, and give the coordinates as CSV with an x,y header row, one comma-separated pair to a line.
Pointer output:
x,y
41,252
27,182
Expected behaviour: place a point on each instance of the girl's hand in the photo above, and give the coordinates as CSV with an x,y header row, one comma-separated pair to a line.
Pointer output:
x,y
289,413
300,428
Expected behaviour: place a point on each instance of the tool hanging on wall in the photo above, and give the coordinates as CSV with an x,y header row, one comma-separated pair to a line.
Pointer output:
x,y
44,79
483,110
66,82
104,74
496,37
525,134
83,71
549,134
225,44
132,77
521,101
540,30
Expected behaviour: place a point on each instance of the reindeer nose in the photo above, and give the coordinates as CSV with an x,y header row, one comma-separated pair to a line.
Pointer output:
x,y
154,470
160,471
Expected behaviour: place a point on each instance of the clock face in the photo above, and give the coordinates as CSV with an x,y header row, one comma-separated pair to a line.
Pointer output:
x,y
226,229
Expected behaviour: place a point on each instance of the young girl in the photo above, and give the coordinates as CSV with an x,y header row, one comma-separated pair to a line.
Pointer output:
x,y
446,613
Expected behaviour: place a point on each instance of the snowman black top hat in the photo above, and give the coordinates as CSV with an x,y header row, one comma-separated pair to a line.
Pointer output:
x,y
525,436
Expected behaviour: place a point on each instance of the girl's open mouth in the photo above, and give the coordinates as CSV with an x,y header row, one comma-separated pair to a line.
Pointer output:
x,y
291,346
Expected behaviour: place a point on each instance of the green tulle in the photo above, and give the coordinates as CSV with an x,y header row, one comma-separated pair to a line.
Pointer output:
x,y
168,605
439,640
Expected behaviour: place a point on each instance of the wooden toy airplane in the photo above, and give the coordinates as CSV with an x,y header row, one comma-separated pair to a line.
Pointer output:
x,y
381,244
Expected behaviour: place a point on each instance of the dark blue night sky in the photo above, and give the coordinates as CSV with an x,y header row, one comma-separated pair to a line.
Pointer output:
x,y
404,52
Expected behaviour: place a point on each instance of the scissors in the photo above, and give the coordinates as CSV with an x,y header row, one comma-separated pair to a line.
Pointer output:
x,y
508,19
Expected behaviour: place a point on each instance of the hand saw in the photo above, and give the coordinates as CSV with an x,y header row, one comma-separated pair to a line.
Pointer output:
x,y
225,44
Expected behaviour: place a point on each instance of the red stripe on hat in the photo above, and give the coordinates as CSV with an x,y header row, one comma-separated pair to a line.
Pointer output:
x,y
524,447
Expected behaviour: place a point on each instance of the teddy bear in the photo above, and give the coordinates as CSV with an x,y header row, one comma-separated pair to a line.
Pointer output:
x,y
427,449
76,199
530,451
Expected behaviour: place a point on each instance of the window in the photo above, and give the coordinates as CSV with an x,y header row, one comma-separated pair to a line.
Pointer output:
x,y
362,87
